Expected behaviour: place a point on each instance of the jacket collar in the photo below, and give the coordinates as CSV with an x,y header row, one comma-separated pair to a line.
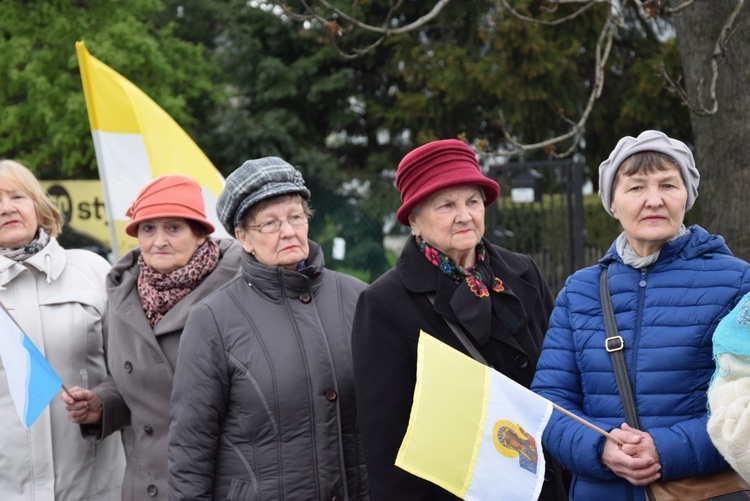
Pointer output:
x,y
418,274
50,261
698,242
275,282
124,301
421,277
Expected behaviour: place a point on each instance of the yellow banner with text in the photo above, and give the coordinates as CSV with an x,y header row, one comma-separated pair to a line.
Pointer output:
x,y
82,205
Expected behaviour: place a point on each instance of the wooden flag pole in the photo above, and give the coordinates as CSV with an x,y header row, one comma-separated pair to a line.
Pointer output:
x,y
65,389
590,425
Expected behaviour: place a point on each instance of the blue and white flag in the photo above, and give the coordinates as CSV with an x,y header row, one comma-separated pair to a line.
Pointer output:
x,y
31,380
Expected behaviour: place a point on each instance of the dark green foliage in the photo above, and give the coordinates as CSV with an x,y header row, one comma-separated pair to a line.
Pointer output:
x,y
44,120
246,81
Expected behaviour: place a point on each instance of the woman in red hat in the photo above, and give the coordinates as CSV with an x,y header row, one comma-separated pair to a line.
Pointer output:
x,y
448,276
150,291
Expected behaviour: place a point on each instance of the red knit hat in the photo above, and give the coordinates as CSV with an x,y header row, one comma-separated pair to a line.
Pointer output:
x,y
168,196
438,165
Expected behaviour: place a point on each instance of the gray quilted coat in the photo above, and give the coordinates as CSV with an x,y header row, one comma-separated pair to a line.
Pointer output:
x,y
263,399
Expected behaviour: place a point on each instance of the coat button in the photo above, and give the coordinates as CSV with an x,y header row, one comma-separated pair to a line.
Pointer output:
x,y
305,297
128,367
152,490
331,395
148,430
522,361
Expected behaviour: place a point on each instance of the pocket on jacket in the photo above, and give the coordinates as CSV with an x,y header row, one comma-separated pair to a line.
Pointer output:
x,y
241,490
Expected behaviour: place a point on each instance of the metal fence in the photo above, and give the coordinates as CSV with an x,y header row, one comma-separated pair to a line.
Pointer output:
x,y
540,213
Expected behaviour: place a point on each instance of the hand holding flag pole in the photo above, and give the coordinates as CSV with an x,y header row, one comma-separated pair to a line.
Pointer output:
x,y
472,429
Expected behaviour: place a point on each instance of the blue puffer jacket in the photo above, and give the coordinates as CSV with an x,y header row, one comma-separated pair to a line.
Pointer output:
x,y
666,315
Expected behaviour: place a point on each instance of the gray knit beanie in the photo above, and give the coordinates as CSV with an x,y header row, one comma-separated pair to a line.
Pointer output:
x,y
650,140
253,181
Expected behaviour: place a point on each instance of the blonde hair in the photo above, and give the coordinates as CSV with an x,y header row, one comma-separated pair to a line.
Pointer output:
x,y
47,215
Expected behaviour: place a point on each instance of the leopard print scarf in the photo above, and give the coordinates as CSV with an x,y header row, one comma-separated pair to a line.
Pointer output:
x,y
159,292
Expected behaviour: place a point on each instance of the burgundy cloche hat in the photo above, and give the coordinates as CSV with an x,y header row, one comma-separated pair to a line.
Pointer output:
x,y
437,165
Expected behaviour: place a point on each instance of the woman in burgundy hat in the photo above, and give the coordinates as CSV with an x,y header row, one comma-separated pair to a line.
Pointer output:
x,y
150,291
447,274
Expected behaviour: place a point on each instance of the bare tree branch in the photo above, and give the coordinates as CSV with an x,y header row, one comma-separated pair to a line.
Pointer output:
x,y
719,48
603,49
683,5
587,6
385,30
647,10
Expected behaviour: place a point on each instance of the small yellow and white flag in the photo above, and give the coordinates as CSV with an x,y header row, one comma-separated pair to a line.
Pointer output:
x,y
472,430
135,141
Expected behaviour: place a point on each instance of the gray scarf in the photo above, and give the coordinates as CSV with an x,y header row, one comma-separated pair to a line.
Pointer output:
x,y
631,258
26,251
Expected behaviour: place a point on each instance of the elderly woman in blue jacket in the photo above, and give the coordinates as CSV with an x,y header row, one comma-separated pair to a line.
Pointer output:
x,y
669,288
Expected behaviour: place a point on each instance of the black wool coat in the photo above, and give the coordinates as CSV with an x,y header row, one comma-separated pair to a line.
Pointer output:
x,y
388,319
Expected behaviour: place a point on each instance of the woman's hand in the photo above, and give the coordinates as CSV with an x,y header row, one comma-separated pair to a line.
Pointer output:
x,y
637,461
84,408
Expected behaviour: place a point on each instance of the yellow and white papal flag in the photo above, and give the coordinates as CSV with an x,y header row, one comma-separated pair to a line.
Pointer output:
x,y
472,430
135,141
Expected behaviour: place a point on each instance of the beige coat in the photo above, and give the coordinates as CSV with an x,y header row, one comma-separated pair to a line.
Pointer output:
x,y
141,363
57,297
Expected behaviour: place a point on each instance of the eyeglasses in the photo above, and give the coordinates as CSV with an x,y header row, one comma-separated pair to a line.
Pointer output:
x,y
275,225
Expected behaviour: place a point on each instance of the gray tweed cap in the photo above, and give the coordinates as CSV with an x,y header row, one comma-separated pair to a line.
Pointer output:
x,y
253,181
650,140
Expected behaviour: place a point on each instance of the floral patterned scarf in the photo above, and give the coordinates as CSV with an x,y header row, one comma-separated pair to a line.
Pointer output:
x,y
472,276
159,292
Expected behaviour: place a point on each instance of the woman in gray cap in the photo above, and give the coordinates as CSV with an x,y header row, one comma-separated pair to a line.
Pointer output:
x,y
669,287
263,400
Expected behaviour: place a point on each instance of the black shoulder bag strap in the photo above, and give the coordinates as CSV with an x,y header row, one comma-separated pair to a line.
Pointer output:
x,y
614,346
462,337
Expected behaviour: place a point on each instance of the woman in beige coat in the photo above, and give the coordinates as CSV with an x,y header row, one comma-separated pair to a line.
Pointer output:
x,y
57,297
151,291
